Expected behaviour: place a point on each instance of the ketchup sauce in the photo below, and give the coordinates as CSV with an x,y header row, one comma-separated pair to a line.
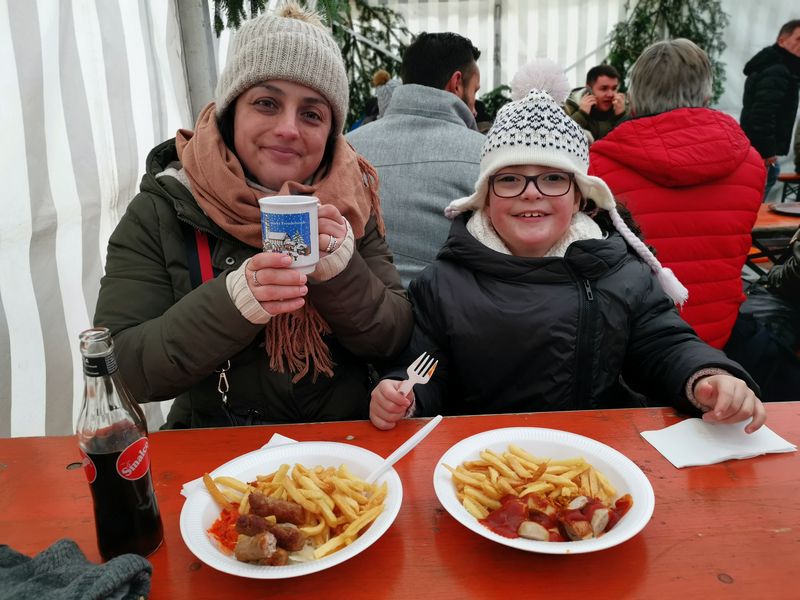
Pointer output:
x,y
505,521
621,507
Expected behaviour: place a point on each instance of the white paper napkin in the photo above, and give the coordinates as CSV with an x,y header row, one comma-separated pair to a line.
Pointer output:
x,y
196,484
694,442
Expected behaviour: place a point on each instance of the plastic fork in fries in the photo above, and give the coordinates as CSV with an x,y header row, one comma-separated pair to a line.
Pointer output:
x,y
419,372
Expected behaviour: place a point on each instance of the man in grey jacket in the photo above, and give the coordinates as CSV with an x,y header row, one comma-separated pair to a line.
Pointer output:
x,y
426,147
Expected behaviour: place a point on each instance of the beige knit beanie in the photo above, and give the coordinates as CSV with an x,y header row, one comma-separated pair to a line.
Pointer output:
x,y
293,45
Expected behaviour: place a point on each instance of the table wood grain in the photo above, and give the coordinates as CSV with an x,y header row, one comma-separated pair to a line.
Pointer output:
x,y
768,221
730,530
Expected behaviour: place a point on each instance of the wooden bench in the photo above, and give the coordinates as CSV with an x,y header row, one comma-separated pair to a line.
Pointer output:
x,y
791,186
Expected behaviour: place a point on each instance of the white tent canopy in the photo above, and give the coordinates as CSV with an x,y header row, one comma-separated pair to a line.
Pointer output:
x,y
90,87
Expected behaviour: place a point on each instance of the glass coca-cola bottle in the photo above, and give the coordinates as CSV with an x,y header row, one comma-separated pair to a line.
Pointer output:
x,y
112,435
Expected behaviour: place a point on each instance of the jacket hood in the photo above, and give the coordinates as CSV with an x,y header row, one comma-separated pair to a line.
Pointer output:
x,y
589,259
169,187
681,147
770,56
575,95
763,58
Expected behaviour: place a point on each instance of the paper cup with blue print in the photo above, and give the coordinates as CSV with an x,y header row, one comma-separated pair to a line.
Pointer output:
x,y
289,225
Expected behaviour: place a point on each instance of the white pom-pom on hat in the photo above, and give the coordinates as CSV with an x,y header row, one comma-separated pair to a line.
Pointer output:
x,y
540,74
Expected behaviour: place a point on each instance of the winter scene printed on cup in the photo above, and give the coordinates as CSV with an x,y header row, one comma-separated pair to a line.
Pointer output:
x,y
289,226
290,234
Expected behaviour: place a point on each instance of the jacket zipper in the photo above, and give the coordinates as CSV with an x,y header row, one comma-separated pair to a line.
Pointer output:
x,y
588,287
583,359
206,230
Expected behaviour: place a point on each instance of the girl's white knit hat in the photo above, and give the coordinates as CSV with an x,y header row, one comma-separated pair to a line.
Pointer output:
x,y
536,131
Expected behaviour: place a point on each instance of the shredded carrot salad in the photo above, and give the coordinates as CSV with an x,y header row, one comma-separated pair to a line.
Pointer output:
x,y
224,528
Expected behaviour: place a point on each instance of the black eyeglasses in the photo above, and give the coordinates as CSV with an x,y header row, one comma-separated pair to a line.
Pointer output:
x,y
511,185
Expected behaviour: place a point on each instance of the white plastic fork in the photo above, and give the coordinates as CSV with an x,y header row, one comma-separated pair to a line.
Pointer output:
x,y
404,449
419,371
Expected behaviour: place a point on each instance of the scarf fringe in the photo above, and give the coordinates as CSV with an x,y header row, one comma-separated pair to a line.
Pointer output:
x,y
294,341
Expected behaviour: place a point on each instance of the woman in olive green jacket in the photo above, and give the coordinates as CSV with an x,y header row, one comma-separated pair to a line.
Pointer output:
x,y
197,311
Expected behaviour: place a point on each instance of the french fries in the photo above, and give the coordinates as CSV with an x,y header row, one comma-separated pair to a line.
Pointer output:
x,y
215,492
481,484
337,505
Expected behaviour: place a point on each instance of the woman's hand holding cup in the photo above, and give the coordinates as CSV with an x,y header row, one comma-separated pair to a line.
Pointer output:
x,y
279,288
295,230
332,228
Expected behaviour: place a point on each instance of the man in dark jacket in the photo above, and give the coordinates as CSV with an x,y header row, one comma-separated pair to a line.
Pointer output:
x,y
770,98
766,338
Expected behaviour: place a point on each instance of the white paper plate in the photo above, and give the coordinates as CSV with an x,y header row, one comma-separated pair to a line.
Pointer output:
x,y
621,472
200,511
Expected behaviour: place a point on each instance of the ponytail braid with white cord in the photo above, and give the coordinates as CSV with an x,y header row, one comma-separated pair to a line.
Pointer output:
x,y
673,288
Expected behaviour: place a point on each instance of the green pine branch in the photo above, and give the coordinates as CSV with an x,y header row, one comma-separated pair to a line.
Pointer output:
x,y
702,21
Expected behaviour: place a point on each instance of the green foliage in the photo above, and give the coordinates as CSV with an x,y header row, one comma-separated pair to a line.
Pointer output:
x,y
362,31
235,12
364,34
702,21
494,99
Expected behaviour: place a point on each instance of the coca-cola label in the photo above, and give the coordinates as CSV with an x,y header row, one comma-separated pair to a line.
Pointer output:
x,y
88,466
134,462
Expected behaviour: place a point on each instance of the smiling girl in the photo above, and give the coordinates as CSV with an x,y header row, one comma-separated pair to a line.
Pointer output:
x,y
542,298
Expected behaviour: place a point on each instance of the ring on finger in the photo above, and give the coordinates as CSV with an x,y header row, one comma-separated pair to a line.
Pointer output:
x,y
331,245
255,279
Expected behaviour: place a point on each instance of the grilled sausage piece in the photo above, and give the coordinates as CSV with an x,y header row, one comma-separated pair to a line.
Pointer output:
x,y
533,531
278,559
600,521
255,548
289,536
251,524
284,511
577,530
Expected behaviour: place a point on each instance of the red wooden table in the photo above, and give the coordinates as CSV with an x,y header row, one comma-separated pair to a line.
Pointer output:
x,y
730,530
769,221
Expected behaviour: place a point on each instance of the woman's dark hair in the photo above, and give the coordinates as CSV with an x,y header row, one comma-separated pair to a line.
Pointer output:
x,y
225,124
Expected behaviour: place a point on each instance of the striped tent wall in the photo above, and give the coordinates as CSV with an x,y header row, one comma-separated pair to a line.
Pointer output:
x,y
89,87
571,32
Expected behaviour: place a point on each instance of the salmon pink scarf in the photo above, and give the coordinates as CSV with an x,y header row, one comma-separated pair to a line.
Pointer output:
x,y
219,186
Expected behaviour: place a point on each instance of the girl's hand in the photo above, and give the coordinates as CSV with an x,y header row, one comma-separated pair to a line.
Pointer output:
x,y
387,405
332,228
730,401
278,288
